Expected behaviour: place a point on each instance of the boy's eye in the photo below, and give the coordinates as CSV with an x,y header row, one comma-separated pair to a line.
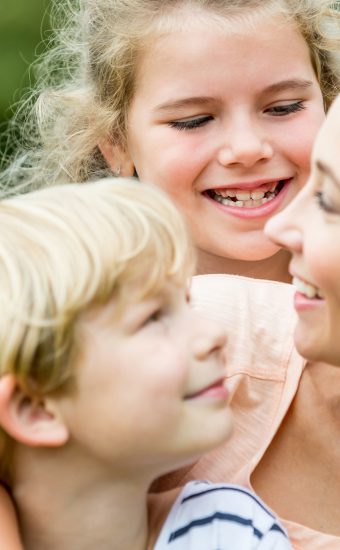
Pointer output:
x,y
191,123
283,110
153,317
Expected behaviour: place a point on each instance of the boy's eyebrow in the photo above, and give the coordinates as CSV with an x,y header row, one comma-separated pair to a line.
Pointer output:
x,y
328,171
292,84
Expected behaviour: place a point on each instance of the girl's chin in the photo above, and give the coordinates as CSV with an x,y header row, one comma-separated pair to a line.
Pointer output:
x,y
252,253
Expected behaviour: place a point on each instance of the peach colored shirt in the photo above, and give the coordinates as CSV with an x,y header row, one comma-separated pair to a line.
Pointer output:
x,y
264,371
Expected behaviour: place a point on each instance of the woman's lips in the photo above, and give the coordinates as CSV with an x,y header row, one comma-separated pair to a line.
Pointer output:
x,y
307,295
303,303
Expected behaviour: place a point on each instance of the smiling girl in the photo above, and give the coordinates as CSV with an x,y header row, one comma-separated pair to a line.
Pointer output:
x,y
216,102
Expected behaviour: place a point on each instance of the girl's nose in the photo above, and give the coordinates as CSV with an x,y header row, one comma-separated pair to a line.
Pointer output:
x,y
245,146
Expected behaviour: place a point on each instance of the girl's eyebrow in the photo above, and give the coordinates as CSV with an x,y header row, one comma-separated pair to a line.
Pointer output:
x,y
184,102
325,169
286,85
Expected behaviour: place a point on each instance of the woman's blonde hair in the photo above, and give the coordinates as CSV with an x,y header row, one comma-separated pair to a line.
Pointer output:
x,y
86,80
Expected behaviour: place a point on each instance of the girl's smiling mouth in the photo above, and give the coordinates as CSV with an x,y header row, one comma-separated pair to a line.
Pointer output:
x,y
258,201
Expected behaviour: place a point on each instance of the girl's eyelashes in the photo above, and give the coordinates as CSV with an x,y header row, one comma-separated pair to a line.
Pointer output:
x,y
190,124
322,203
284,110
277,110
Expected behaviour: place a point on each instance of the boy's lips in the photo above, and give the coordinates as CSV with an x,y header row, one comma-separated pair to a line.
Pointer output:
x,y
253,199
216,389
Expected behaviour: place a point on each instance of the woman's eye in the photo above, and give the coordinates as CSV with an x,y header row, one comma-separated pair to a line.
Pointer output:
x,y
283,110
190,124
320,199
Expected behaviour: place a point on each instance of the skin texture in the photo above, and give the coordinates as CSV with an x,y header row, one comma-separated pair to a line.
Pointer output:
x,y
310,229
10,539
245,131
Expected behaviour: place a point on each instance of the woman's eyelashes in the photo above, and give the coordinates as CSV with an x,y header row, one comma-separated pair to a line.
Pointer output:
x,y
287,109
323,203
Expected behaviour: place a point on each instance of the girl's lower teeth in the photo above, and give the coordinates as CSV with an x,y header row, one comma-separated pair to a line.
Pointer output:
x,y
251,203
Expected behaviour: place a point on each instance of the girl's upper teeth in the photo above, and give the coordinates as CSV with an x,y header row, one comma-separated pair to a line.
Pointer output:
x,y
247,195
307,289
244,197
257,195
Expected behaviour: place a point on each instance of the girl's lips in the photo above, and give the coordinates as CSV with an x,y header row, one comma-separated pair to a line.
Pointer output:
x,y
261,211
217,390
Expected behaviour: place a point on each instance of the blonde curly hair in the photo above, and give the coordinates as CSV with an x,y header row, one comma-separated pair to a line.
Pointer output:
x,y
86,79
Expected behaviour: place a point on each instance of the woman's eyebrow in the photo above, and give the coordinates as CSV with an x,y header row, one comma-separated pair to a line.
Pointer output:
x,y
325,169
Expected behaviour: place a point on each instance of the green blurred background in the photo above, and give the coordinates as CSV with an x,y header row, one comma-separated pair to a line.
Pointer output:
x,y
22,23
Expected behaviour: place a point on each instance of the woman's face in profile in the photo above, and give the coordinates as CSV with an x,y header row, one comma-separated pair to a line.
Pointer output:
x,y
310,229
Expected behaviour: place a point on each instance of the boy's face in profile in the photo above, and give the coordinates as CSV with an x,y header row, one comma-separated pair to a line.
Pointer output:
x,y
149,385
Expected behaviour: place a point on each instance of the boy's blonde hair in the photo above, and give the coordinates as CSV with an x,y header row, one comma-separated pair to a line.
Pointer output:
x,y
67,248
86,81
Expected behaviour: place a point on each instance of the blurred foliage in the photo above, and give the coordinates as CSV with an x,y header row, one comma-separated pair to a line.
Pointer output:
x,y
21,29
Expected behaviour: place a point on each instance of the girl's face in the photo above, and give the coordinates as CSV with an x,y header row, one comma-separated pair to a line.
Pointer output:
x,y
310,229
224,121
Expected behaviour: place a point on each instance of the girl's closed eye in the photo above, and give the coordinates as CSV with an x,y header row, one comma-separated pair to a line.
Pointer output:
x,y
286,109
191,123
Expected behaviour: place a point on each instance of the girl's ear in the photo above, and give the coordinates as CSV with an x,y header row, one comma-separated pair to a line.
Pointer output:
x,y
32,421
117,158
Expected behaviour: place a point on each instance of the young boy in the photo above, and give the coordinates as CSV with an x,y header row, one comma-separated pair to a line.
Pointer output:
x,y
109,379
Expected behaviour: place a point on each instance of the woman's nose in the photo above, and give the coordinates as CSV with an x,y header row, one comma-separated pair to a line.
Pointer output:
x,y
283,230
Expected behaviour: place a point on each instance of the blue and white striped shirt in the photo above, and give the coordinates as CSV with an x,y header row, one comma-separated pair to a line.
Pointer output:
x,y
210,516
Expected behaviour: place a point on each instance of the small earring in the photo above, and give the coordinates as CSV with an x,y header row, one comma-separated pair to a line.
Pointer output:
x,y
117,171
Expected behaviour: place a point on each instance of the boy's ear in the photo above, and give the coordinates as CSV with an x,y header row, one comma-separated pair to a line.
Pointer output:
x,y
117,158
32,421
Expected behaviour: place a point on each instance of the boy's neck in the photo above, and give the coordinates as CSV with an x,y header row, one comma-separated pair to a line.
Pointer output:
x,y
62,506
274,268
